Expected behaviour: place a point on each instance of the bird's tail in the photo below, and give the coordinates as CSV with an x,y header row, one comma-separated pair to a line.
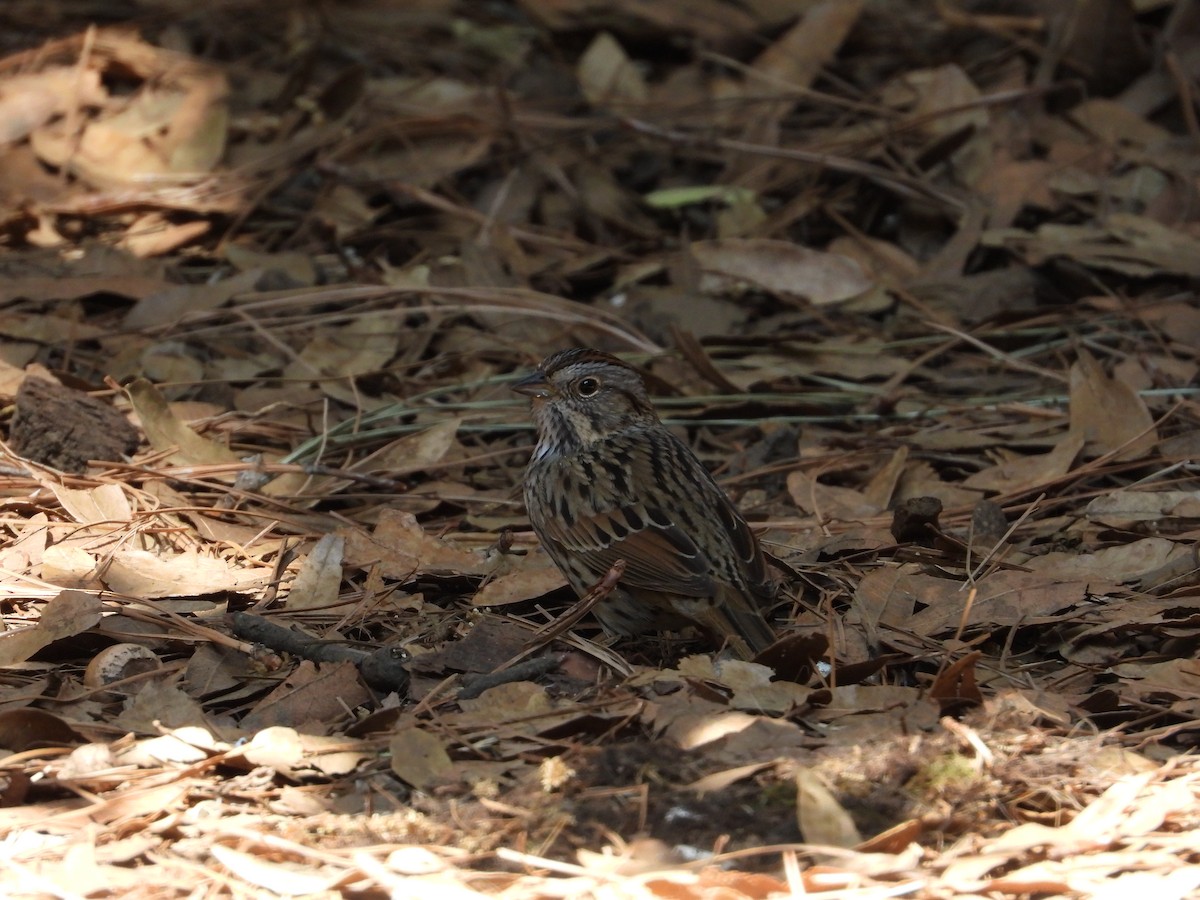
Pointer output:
x,y
733,621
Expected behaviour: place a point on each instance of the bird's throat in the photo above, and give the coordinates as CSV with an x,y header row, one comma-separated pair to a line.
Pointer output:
x,y
562,431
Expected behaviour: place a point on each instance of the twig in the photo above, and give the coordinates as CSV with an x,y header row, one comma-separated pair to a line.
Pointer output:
x,y
474,685
383,668
1000,355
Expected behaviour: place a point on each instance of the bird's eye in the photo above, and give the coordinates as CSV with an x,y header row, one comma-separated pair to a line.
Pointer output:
x,y
588,387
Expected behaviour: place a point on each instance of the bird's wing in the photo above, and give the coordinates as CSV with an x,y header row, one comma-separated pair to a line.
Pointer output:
x,y
662,558
745,546
658,554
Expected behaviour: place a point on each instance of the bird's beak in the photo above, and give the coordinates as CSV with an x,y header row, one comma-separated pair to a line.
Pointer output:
x,y
533,385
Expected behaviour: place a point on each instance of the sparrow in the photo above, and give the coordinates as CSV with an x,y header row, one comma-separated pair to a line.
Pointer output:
x,y
608,481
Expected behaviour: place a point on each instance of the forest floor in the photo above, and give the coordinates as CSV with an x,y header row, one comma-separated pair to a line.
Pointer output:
x,y
916,280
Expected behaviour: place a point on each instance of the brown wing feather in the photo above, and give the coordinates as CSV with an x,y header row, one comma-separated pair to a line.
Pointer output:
x,y
749,552
656,558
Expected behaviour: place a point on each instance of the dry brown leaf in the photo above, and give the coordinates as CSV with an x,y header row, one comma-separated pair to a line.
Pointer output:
x,y
1125,243
164,304
851,702
430,93
1013,185
1176,678
1109,413
316,584
157,703
1111,122
30,100
956,686
296,268
286,878
607,75
279,877
185,746
278,746
1111,564
25,550
636,857
829,502
106,505
194,143
519,705
880,490
170,363
140,573
69,613
947,99
880,260
154,235
752,685
11,377
143,803
781,268
345,209
491,643
1003,598
360,347
1098,824
428,163
160,136
310,699
603,195
691,731
71,566
1122,509
401,548
413,452
166,432
882,597
531,579
660,307
716,781
920,479
45,329
1025,473
852,358
420,758
796,58
1112,876
30,729
822,820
